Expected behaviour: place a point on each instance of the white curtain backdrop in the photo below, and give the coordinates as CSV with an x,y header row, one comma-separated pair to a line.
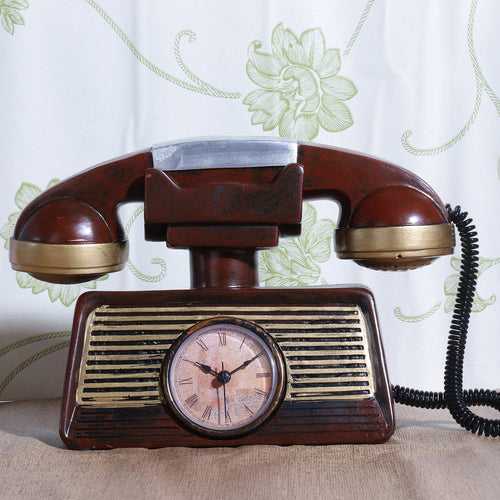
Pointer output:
x,y
413,81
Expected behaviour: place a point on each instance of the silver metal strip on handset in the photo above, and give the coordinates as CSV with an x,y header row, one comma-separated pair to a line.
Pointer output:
x,y
203,153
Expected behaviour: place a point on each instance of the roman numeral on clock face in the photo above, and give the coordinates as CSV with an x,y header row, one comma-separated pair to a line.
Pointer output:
x,y
185,381
206,413
260,393
192,400
250,412
263,375
202,344
222,338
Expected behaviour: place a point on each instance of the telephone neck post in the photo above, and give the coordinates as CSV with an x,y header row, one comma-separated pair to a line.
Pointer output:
x,y
221,268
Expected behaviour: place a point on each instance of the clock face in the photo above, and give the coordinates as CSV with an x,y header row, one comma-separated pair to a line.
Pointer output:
x,y
223,377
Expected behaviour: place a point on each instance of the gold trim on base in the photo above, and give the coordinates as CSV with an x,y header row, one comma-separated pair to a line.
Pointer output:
x,y
74,259
123,368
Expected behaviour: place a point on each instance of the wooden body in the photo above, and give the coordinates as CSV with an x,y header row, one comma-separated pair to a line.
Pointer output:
x,y
388,219
360,420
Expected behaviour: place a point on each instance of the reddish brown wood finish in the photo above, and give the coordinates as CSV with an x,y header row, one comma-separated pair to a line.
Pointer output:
x,y
349,178
67,220
225,201
93,195
222,236
366,421
347,422
218,268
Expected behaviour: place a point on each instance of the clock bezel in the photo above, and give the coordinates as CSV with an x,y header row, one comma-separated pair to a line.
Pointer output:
x,y
279,394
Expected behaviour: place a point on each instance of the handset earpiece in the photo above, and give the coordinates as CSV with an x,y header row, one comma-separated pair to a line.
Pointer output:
x,y
395,228
71,233
390,219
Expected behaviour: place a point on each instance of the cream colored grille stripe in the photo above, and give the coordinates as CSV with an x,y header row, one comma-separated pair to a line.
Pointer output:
x,y
114,357
131,337
111,376
226,309
296,365
311,390
249,317
308,376
125,347
289,354
173,336
326,397
146,383
110,396
312,343
184,326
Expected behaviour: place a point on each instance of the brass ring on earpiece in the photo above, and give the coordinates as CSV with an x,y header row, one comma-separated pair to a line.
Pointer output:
x,y
79,259
395,242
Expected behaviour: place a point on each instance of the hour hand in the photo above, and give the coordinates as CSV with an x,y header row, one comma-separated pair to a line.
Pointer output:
x,y
204,368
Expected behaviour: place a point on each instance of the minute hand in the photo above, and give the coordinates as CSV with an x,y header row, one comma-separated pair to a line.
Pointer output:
x,y
246,363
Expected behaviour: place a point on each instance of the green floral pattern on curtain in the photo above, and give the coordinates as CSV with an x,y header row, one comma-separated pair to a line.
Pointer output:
x,y
296,262
450,289
10,14
300,89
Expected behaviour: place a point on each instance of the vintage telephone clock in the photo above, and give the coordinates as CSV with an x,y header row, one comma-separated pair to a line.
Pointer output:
x,y
226,362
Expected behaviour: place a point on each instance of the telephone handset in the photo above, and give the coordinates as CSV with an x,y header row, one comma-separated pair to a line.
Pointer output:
x,y
227,360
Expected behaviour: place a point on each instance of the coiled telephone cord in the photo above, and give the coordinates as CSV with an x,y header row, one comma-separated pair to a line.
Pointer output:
x,y
454,397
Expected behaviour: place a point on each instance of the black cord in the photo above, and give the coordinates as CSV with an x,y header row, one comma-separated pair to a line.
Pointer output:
x,y
454,397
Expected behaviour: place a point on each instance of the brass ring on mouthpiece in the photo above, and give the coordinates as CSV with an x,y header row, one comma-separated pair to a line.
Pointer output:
x,y
61,263
395,247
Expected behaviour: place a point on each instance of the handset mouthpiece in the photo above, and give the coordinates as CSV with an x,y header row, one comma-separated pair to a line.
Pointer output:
x,y
71,233
66,241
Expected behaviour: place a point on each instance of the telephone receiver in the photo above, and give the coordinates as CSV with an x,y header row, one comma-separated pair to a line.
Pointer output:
x,y
223,199
389,218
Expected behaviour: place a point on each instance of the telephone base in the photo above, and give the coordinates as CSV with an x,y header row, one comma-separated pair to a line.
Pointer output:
x,y
337,390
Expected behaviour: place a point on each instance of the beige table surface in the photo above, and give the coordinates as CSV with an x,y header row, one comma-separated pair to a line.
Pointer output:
x,y
428,457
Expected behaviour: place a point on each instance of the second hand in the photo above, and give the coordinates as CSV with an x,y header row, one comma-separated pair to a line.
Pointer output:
x,y
218,403
224,392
